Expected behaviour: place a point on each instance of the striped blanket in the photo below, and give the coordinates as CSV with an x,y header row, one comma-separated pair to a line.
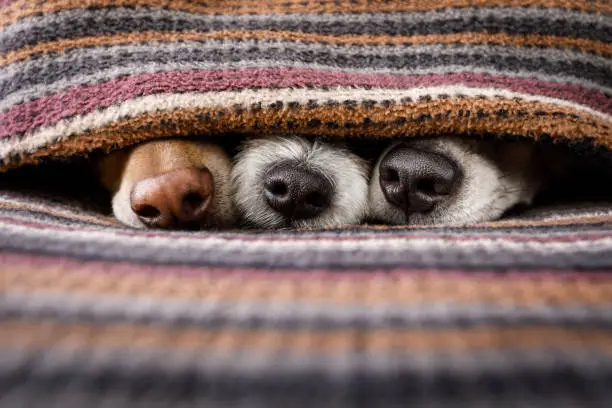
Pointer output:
x,y
508,314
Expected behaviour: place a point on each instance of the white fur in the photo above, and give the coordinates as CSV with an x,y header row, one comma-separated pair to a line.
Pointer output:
x,y
346,172
485,193
122,210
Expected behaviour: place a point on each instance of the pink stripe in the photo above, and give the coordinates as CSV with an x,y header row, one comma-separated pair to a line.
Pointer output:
x,y
246,237
85,99
12,260
5,3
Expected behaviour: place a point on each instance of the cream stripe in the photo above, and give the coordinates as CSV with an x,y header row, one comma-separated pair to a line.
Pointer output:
x,y
164,102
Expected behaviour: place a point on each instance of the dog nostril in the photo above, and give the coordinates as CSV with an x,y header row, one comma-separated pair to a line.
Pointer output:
x,y
147,211
278,188
427,186
192,202
316,200
390,175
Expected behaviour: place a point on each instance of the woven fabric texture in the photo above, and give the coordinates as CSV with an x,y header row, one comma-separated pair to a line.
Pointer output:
x,y
512,313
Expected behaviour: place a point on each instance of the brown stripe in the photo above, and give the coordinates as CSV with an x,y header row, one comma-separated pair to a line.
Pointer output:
x,y
93,279
46,334
459,38
476,116
27,8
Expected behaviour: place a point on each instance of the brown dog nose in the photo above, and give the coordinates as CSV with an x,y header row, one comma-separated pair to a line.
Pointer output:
x,y
297,192
174,199
416,180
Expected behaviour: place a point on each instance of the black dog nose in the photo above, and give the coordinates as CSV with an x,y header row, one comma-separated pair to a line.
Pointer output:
x,y
416,180
297,192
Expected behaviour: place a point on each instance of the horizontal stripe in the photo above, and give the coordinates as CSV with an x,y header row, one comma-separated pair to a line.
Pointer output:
x,y
58,276
27,94
82,100
170,103
17,202
582,44
90,22
21,261
50,215
384,253
50,334
87,61
23,9
143,378
221,312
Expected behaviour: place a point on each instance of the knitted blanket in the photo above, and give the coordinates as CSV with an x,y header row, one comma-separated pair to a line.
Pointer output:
x,y
512,313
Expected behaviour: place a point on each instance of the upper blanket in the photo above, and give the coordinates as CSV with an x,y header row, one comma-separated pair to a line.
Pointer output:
x,y
77,75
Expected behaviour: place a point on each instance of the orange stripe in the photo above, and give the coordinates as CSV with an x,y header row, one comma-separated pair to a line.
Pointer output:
x,y
158,36
443,116
91,279
27,8
45,334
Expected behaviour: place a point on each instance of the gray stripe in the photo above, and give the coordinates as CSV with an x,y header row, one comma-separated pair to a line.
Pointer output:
x,y
520,20
377,253
26,94
294,315
260,47
278,378
89,61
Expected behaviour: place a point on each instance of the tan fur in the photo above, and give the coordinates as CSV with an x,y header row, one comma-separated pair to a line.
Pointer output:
x,y
120,170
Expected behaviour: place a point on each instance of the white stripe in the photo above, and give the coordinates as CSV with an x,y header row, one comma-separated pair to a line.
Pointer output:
x,y
169,102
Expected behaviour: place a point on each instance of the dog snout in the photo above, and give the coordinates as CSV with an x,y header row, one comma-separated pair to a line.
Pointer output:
x,y
416,180
297,192
174,199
